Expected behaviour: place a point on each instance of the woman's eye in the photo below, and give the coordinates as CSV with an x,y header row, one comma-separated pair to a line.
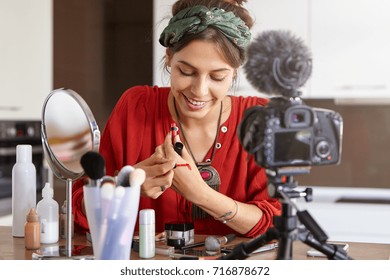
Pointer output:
x,y
218,79
184,73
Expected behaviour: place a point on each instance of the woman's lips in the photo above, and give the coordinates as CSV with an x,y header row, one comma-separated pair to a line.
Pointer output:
x,y
195,105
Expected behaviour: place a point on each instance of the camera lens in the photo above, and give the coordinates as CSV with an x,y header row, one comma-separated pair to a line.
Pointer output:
x,y
323,149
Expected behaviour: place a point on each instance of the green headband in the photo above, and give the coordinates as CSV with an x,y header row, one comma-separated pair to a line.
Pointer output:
x,y
195,19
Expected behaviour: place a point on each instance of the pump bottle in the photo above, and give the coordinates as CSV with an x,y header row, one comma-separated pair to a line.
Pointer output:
x,y
24,189
47,209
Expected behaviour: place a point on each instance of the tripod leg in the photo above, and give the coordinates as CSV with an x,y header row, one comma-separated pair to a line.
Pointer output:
x,y
285,248
331,251
286,225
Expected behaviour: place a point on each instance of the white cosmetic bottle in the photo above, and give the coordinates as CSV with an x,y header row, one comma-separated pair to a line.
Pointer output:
x,y
24,189
48,211
147,242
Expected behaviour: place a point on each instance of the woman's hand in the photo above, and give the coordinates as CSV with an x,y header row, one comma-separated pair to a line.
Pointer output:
x,y
187,180
159,173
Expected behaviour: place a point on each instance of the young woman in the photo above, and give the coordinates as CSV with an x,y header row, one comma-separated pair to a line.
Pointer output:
x,y
213,183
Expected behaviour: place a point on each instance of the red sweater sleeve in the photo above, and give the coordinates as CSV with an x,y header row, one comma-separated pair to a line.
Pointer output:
x,y
258,195
117,135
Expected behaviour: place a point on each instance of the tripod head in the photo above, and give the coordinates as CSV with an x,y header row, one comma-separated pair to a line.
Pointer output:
x,y
281,180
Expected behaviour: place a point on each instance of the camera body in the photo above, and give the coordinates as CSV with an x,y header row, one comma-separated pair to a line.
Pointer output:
x,y
288,133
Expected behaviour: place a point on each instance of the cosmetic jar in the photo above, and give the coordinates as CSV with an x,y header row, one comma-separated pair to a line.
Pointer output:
x,y
179,234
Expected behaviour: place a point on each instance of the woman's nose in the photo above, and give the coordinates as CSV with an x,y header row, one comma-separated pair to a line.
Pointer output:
x,y
200,87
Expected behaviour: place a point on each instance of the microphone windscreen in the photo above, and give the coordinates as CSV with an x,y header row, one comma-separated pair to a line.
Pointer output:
x,y
278,63
93,164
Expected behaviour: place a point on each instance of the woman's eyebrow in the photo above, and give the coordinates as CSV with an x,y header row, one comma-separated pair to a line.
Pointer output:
x,y
215,70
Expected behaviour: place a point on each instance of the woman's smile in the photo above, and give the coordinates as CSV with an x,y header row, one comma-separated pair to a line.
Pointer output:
x,y
194,104
200,78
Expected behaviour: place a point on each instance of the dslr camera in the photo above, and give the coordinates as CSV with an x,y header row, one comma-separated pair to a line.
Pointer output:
x,y
286,132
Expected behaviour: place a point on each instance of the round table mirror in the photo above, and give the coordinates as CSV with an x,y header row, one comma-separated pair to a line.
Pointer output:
x,y
69,130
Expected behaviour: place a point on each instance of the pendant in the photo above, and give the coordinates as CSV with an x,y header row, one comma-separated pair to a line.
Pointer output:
x,y
211,177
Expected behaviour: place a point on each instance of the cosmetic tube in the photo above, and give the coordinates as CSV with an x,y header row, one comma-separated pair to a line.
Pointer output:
x,y
147,243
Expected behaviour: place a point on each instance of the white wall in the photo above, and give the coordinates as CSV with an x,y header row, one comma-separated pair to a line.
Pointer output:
x,y
348,40
25,57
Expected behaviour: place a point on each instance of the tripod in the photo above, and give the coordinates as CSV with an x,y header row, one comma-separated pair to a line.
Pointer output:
x,y
286,226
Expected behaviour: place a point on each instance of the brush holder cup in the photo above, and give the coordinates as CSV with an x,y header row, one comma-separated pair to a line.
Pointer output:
x,y
112,223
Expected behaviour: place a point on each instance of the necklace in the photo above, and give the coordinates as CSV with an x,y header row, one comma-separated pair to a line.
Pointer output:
x,y
209,174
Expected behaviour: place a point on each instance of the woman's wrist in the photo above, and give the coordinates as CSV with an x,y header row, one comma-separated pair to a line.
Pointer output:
x,y
229,215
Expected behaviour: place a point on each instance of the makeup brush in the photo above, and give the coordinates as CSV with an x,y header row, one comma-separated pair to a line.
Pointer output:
x,y
137,177
123,178
106,195
94,166
107,179
109,244
129,210
214,243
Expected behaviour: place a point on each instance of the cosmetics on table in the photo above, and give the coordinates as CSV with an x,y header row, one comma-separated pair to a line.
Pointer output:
x,y
23,188
147,243
179,234
48,211
32,231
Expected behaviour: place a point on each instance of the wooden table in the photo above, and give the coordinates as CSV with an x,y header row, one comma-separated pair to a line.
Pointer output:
x,y
12,248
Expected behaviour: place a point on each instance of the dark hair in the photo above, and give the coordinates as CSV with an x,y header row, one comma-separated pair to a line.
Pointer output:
x,y
234,55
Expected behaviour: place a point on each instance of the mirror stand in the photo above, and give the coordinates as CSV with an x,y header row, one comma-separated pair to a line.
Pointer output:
x,y
68,234
69,130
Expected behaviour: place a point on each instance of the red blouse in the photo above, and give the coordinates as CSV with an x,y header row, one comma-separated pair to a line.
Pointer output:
x,y
140,122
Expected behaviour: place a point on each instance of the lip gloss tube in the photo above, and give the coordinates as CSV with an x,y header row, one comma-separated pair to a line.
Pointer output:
x,y
174,131
178,147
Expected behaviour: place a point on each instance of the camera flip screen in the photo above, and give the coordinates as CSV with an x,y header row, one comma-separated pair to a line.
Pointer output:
x,y
293,147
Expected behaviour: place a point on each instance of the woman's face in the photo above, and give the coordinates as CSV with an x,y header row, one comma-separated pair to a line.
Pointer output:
x,y
200,78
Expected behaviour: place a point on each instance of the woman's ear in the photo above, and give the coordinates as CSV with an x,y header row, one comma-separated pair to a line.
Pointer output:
x,y
168,57
235,73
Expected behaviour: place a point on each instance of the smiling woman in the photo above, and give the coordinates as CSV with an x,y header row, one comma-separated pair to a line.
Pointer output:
x,y
221,191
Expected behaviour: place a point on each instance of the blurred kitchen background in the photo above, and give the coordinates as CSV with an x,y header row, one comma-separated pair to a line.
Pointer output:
x,y
99,48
